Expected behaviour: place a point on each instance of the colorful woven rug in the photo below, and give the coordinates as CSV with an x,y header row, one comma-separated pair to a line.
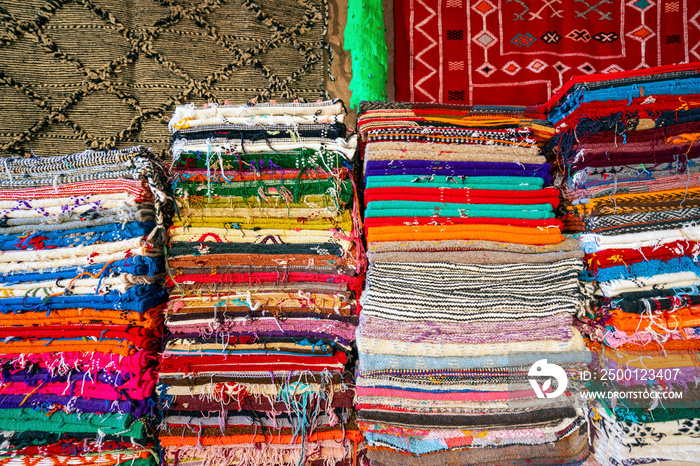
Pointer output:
x,y
638,228
81,307
97,75
265,266
470,284
518,52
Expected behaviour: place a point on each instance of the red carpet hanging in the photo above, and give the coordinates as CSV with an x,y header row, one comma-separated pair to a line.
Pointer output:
x,y
519,52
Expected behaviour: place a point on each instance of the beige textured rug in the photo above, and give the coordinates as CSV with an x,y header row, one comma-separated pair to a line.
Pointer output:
x,y
94,74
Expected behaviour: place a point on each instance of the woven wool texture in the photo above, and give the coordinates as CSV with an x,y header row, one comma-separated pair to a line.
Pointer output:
x,y
265,268
81,280
470,283
521,52
639,232
95,75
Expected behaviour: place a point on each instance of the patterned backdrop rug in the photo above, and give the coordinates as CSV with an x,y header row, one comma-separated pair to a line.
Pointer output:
x,y
92,74
518,52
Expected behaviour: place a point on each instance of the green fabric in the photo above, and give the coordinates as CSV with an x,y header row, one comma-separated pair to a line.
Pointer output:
x,y
642,416
24,419
247,189
365,39
297,158
496,183
139,462
438,209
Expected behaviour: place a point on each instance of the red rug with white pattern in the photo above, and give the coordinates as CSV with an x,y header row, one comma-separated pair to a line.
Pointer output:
x,y
521,51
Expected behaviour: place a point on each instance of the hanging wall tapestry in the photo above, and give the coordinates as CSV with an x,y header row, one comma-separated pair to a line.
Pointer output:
x,y
94,75
521,52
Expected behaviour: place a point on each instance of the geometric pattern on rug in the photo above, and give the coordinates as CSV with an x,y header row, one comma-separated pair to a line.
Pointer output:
x,y
519,52
95,74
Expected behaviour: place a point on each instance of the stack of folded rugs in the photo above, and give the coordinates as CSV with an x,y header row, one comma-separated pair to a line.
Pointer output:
x,y
628,162
265,265
81,307
470,287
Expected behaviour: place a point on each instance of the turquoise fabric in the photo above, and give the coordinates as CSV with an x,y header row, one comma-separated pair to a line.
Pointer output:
x,y
633,91
496,183
438,209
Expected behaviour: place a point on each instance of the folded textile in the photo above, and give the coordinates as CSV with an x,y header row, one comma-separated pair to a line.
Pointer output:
x,y
572,449
631,189
265,267
81,275
470,284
